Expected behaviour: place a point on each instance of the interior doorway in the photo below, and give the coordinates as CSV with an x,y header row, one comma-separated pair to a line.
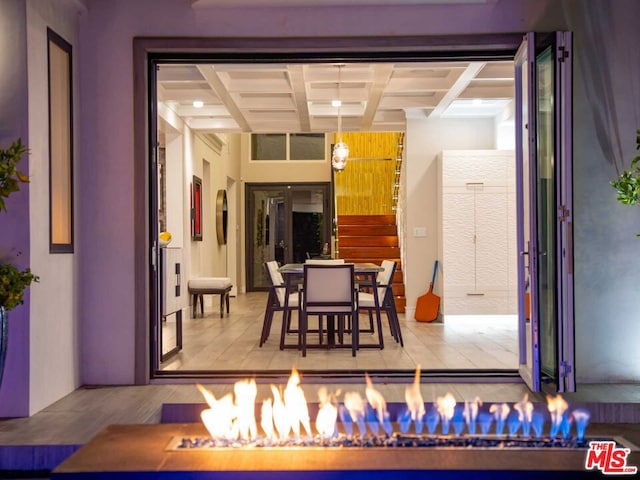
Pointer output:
x,y
286,223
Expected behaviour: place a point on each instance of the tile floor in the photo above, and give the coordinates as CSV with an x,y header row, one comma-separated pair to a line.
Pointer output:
x,y
231,343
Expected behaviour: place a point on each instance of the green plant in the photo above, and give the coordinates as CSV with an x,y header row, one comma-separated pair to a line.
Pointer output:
x,y
10,176
13,281
628,182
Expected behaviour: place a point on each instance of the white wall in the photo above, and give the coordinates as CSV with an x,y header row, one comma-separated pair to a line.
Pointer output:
x,y
424,140
282,171
54,360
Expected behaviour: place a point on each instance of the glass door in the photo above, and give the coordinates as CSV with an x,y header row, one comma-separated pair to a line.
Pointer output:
x,y
286,223
543,140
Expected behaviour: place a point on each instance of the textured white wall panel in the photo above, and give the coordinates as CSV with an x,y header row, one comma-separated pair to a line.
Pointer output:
x,y
478,232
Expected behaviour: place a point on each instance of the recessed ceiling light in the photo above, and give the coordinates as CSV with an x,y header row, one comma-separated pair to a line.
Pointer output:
x,y
336,103
198,103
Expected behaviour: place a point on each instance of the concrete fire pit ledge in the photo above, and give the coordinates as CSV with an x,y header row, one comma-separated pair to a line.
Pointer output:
x,y
142,452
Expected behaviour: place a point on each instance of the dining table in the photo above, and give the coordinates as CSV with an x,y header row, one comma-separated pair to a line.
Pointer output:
x,y
365,273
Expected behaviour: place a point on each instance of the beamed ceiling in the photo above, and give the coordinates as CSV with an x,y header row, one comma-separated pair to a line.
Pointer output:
x,y
263,98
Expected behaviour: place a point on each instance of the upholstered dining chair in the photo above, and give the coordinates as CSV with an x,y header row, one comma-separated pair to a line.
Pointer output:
x,y
328,290
277,302
386,303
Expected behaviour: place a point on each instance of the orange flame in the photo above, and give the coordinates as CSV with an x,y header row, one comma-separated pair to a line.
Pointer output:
x,y
524,409
557,406
266,419
500,410
446,406
375,399
470,411
245,392
219,417
280,414
296,404
356,407
327,415
413,397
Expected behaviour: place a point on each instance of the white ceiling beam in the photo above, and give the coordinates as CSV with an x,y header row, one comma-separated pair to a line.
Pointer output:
x,y
205,111
458,87
209,73
419,84
296,75
213,124
382,74
392,102
487,92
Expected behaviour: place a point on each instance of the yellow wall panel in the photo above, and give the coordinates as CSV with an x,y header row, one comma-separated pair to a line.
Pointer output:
x,y
365,186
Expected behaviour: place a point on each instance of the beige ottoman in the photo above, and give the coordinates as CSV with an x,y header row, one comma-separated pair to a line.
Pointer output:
x,y
198,287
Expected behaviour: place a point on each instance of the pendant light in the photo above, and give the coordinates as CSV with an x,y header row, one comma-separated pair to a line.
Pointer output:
x,y
340,149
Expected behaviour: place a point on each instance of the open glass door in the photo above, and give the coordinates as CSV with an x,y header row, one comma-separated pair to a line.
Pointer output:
x,y
543,145
286,223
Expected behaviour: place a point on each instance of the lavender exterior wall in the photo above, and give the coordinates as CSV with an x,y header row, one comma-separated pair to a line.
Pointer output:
x,y
106,151
606,116
14,224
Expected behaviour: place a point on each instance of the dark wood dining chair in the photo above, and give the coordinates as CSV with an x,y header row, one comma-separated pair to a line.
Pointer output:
x,y
328,291
386,304
277,302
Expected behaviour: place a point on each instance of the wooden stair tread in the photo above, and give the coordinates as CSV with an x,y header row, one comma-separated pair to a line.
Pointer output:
x,y
366,220
372,239
367,230
368,241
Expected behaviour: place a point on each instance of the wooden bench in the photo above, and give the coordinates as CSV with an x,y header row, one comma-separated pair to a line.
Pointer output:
x,y
198,287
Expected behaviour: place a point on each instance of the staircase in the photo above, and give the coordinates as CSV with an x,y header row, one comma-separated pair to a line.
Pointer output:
x,y
372,238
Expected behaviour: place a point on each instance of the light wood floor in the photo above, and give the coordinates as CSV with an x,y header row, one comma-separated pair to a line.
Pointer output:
x,y
212,343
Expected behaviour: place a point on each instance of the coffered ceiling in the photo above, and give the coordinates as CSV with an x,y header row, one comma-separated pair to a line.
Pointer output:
x,y
297,97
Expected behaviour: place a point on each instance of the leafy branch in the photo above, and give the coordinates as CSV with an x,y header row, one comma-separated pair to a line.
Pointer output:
x,y
10,176
628,182
13,281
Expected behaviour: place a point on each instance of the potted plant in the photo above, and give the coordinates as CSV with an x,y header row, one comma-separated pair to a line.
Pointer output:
x,y
628,182
13,281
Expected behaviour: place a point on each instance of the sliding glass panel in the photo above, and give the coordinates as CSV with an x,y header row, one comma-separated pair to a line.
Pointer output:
x,y
544,165
266,227
525,158
546,213
308,217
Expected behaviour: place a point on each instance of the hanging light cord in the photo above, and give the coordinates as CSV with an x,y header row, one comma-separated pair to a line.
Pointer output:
x,y
339,105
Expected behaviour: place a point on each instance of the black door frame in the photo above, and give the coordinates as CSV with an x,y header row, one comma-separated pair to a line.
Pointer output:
x,y
148,51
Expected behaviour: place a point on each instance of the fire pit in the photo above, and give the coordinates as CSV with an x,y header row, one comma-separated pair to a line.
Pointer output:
x,y
350,438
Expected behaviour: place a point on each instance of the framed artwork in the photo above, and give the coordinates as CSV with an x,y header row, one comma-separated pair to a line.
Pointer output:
x,y
196,209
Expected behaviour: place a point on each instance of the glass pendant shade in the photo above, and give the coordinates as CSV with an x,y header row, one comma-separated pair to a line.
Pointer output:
x,y
340,155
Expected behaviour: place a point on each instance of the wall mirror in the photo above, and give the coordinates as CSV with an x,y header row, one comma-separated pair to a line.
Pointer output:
x,y
221,217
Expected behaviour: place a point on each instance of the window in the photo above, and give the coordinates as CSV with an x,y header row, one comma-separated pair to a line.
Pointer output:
x,y
306,146
60,144
285,146
269,146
